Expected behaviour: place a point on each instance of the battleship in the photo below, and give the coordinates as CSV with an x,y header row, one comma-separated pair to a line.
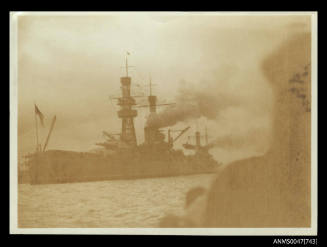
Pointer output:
x,y
120,156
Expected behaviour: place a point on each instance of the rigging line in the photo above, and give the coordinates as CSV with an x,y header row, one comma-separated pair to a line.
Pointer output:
x,y
139,74
138,78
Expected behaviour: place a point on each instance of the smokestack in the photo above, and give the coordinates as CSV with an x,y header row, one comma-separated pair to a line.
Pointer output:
x,y
152,104
206,135
197,138
168,136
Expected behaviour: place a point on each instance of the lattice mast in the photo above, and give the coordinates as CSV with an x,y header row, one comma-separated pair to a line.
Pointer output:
x,y
126,113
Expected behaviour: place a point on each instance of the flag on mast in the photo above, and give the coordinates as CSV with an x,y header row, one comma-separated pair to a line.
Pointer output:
x,y
40,114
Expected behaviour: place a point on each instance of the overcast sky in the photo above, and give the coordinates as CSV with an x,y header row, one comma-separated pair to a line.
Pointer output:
x,y
69,65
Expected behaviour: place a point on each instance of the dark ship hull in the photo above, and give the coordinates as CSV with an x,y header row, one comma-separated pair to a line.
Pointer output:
x,y
57,166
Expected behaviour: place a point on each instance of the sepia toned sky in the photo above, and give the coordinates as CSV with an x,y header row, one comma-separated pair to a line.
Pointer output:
x,y
69,65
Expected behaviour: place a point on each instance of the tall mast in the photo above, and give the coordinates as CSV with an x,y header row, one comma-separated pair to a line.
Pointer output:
x,y
37,133
152,99
126,113
150,87
126,66
206,135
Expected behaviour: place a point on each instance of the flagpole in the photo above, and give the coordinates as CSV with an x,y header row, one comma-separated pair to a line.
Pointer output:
x,y
37,132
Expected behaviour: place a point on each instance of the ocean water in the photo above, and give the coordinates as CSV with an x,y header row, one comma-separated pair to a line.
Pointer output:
x,y
116,203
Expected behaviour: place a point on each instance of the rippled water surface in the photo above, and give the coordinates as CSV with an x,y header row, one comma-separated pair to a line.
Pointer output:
x,y
117,203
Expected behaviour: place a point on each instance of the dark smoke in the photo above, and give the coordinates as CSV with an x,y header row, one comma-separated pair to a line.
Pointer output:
x,y
173,115
192,103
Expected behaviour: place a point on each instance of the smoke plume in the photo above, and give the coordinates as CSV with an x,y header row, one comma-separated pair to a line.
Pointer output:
x,y
192,102
240,140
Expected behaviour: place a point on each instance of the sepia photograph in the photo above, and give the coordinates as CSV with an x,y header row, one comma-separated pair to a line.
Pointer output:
x,y
193,123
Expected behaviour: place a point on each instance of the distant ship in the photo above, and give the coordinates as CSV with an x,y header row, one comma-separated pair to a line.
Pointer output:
x,y
120,156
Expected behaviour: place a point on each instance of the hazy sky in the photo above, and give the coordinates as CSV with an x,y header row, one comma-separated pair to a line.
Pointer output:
x,y
70,65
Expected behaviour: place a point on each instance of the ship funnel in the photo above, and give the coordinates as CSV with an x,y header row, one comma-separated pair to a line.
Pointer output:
x,y
197,139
